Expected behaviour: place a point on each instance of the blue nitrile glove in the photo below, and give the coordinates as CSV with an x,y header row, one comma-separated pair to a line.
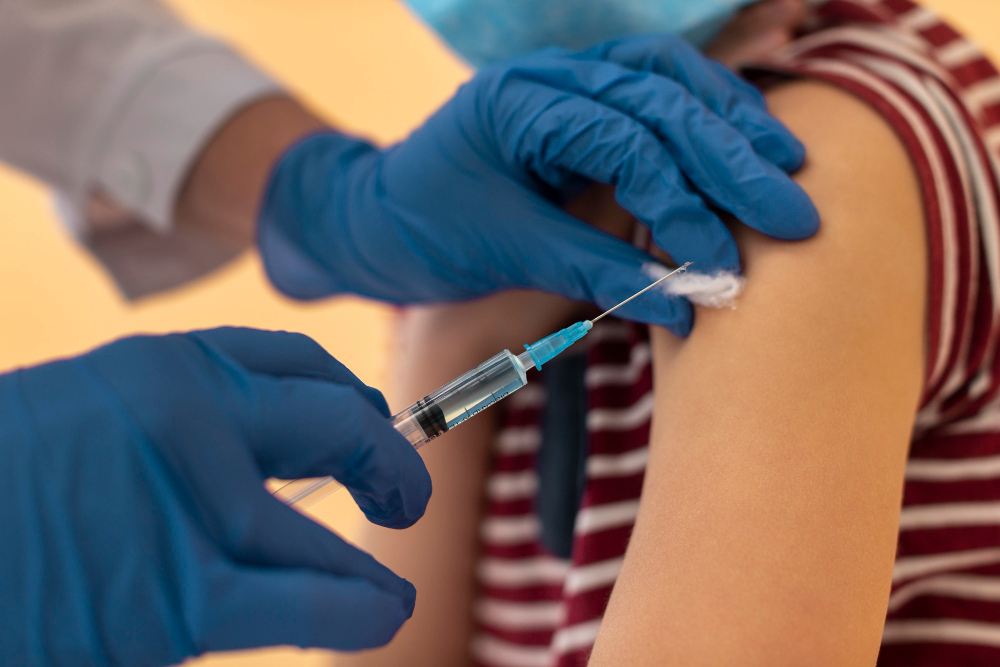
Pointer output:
x,y
470,202
134,527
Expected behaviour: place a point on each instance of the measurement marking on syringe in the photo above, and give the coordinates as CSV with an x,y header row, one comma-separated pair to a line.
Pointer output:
x,y
480,409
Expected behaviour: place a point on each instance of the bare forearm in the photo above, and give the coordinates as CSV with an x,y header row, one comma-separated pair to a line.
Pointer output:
x,y
224,188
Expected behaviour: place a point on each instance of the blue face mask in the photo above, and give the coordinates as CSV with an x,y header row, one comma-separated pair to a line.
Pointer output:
x,y
484,31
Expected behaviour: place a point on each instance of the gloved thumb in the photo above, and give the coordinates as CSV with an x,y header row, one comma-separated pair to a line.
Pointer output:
x,y
252,607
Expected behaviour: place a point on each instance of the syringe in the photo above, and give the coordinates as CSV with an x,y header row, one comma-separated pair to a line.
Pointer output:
x,y
462,398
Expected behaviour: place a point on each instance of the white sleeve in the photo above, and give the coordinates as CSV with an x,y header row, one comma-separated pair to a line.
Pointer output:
x,y
115,96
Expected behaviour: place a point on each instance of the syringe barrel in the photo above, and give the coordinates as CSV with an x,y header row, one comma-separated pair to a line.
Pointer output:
x,y
463,397
432,415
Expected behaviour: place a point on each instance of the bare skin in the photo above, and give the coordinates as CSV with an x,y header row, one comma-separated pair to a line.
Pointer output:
x,y
223,191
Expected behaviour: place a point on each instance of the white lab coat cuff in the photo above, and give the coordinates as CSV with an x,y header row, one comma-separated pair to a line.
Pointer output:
x,y
155,124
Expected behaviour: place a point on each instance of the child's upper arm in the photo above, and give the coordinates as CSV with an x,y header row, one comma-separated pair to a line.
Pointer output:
x,y
768,519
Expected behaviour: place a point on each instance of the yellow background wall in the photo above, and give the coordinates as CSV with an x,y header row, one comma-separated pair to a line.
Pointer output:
x,y
366,63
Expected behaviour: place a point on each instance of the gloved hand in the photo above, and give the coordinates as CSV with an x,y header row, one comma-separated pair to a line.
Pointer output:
x,y
470,202
135,529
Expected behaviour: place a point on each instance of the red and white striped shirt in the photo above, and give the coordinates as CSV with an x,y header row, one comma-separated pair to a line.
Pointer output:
x,y
942,96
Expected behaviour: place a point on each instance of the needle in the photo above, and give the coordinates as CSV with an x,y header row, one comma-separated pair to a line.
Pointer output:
x,y
680,269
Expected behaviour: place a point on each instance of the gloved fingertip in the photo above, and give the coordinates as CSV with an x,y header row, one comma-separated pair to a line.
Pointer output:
x,y
416,504
415,501
409,598
393,520
403,505
678,329
678,323
404,591
678,326
797,217
657,308
681,318
377,399
810,220
779,207
708,255
392,625
379,623
782,149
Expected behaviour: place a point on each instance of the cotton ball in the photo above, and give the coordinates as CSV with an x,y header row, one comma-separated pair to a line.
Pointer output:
x,y
715,290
